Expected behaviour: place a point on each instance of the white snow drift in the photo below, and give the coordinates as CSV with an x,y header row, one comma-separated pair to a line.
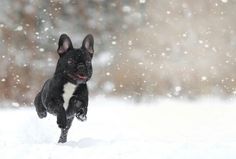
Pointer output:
x,y
167,129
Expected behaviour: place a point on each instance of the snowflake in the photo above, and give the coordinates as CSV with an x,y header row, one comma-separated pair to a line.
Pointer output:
x,y
224,1
178,88
19,28
203,78
130,42
15,104
41,49
142,1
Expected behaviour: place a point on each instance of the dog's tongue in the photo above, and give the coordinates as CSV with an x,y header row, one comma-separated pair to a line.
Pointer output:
x,y
82,77
77,76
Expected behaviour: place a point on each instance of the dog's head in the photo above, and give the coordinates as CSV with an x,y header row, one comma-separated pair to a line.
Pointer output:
x,y
74,64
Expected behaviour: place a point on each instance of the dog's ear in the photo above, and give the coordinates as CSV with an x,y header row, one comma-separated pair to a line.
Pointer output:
x,y
88,44
64,44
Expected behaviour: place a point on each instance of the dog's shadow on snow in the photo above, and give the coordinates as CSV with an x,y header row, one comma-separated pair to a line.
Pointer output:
x,y
86,142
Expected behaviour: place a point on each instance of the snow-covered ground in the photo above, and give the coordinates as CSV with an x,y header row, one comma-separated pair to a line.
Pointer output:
x,y
166,129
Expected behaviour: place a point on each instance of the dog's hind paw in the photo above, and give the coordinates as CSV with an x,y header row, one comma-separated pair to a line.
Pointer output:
x,y
42,114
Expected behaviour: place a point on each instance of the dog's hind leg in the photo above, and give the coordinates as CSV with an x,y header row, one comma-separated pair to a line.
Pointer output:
x,y
41,111
64,132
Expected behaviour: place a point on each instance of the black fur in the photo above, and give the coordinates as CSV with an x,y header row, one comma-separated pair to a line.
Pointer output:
x,y
74,66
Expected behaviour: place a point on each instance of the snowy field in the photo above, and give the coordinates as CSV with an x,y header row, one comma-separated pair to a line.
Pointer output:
x,y
166,129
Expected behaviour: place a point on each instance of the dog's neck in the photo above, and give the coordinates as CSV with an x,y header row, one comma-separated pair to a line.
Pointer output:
x,y
57,85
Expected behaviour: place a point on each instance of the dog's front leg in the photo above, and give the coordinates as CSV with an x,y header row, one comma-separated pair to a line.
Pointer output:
x,y
82,102
57,109
64,132
81,114
61,118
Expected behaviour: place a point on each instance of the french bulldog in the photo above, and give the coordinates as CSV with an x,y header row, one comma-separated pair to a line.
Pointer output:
x,y
65,95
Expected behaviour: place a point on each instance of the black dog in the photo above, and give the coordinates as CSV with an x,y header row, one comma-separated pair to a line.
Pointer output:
x,y
65,94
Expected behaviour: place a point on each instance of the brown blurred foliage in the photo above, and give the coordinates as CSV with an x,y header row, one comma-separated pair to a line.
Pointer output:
x,y
144,49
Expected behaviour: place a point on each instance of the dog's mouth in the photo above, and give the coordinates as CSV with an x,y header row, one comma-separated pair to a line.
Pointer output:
x,y
78,76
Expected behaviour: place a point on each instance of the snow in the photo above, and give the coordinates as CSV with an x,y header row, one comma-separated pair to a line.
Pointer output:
x,y
15,104
41,49
108,73
164,129
142,1
130,42
19,28
178,88
224,1
113,42
203,78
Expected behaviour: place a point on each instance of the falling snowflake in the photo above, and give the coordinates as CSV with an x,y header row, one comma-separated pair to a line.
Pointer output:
x,y
203,78
19,28
130,42
178,88
15,104
168,12
224,1
142,1
41,49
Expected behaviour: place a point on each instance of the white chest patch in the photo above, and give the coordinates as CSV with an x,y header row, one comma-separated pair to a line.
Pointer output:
x,y
68,91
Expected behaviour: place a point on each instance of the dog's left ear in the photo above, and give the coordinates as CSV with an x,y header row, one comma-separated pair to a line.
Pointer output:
x,y
88,44
64,44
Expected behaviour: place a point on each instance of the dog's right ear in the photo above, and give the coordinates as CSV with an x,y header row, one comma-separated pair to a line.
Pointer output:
x,y
64,44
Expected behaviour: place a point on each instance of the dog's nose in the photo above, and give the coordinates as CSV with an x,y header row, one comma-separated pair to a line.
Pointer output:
x,y
80,67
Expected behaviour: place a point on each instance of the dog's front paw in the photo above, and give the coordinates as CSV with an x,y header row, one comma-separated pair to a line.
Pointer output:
x,y
81,114
81,117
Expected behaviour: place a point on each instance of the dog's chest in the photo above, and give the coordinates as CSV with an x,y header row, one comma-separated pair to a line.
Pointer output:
x,y
68,92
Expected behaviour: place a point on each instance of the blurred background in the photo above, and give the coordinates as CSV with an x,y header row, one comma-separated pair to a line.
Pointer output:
x,y
144,49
